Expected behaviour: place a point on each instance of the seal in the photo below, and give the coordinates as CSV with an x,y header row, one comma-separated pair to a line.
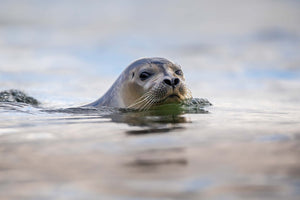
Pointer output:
x,y
145,83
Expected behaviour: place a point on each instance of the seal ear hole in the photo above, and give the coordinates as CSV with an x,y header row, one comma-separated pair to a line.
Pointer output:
x,y
132,74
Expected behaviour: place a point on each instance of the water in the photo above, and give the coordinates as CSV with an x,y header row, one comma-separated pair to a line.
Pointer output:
x,y
242,57
225,153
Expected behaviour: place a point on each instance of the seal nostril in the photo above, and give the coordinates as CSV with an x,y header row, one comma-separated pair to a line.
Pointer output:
x,y
168,82
176,81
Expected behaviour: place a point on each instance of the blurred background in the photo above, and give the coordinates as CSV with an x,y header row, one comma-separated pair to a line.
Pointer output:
x,y
68,52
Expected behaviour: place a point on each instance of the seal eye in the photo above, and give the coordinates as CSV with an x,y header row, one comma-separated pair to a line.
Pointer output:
x,y
144,75
178,72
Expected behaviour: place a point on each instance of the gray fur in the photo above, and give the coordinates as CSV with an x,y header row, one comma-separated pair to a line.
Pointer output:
x,y
112,97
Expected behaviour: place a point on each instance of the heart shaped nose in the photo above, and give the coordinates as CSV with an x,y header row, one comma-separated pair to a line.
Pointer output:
x,y
172,82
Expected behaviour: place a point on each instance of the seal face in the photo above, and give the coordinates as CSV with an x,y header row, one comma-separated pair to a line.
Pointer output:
x,y
146,83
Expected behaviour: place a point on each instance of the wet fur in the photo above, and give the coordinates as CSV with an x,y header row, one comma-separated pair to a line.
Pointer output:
x,y
125,95
156,96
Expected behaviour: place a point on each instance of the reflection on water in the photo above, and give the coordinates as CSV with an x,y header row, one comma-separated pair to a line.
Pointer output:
x,y
80,153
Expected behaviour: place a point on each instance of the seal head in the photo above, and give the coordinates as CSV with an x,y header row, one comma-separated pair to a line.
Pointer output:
x,y
145,83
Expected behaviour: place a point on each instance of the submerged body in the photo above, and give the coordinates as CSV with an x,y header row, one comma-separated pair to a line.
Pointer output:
x,y
146,83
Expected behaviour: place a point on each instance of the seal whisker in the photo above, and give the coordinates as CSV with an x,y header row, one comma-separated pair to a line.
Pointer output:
x,y
148,97
148,104
140,100
188,94
142,107
151,104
